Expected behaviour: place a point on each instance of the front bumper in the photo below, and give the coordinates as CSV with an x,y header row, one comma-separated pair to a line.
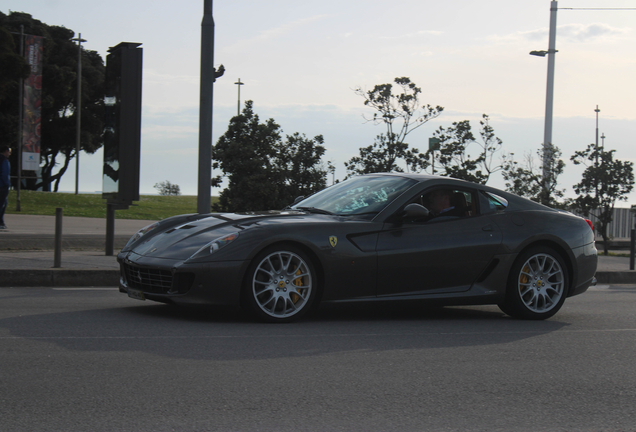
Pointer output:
x,y
171,281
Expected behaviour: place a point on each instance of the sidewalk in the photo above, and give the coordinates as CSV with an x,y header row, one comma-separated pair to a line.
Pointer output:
x,y
30,232
614,270
27,251
27,255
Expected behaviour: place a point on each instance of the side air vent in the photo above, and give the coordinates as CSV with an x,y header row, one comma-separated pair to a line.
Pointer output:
x,y
482,277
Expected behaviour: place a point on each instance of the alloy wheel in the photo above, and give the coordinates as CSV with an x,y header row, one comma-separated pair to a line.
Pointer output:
x,y
282,284
541,283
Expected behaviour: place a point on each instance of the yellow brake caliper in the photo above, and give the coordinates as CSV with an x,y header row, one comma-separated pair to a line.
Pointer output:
x,y
524,278
298,282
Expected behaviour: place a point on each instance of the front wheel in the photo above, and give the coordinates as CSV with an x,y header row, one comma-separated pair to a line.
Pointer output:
x,y
537,285
281,284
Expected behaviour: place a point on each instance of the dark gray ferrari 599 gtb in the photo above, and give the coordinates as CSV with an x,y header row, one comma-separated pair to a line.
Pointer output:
x,y
375,237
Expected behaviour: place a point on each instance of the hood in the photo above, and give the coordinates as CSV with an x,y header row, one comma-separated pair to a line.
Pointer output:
x,y
180,240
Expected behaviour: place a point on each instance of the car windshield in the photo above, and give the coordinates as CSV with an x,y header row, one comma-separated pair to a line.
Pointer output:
x,y
365,195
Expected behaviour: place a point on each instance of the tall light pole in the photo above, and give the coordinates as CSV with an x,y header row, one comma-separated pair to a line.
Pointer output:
x,y
205,109
603,141
597,111
78,107
549,99
20,111
596,149
238,104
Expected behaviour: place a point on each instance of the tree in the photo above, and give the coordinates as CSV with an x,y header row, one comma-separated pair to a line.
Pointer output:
x,y
299,159
263,170
14,66
401,114
382,156
528,181
451,154
331,169
59,93
604,181
167,189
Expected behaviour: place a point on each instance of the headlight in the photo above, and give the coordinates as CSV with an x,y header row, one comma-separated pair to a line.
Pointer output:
x,y
139,234
217,244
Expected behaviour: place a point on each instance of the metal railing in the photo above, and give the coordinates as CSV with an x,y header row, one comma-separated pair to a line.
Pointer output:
x,y
621,225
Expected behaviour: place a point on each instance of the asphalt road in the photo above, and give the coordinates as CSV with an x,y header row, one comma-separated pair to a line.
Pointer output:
x,y
95,360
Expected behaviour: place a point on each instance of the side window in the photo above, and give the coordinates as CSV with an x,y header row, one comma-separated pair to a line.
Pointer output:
x,y
493,203
448,203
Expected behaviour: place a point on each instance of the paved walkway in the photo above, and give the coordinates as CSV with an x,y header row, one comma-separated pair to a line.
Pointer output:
x,y
30,232
27,255
27,251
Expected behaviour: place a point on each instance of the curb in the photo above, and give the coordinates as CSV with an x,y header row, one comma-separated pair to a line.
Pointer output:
x,y
44,242
58,278
616,277
87,278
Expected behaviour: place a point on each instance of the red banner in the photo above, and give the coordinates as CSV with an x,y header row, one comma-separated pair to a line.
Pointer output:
x,y
32,103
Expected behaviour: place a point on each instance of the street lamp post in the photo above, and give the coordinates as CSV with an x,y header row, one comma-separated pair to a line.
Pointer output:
x,y
596,142
20,111
596,149
238,104
206,108
603,141
549,99
78,107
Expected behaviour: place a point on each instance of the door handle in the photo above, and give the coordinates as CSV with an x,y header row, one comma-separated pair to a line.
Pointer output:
x,y
488,228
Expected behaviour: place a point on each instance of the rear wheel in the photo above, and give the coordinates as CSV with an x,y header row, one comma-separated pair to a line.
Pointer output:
x,y
281,284
537,285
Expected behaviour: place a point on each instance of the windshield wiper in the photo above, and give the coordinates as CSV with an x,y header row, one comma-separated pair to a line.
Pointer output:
x,y
315,210
360,214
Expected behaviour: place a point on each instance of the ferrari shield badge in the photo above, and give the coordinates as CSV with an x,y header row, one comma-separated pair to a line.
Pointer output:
x,y
333,241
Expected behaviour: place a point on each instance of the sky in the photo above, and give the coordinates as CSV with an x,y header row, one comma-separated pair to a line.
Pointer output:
x,y
301,61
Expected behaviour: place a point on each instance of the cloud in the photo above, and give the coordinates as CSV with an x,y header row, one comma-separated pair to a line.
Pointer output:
x,y
414,34
288,27
152,76
590,32
579,33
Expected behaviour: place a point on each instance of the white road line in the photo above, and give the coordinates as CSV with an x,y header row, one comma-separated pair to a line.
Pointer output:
x,y
85,289
598,287
336,335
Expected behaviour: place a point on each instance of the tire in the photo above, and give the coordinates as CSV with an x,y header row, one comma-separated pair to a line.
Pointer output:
x,y
281,284
537,285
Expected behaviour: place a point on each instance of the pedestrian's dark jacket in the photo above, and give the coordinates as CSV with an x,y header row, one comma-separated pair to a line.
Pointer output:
x,y
5,171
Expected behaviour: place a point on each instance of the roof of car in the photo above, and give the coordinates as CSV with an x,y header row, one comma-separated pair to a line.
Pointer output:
x,y
415,176
420,177
519,202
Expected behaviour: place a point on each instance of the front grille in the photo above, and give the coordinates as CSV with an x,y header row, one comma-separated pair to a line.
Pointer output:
x,y
148,280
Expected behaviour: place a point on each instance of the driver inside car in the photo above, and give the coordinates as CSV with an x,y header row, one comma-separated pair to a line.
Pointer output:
x,y
440,204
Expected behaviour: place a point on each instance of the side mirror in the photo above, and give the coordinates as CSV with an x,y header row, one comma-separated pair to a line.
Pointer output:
x,y
297,200
415,211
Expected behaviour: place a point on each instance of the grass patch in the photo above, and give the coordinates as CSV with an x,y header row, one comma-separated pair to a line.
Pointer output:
x,y
617,254
149,207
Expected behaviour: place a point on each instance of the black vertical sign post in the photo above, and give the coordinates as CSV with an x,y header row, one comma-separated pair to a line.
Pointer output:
x,y
433,144
122,132
632,240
